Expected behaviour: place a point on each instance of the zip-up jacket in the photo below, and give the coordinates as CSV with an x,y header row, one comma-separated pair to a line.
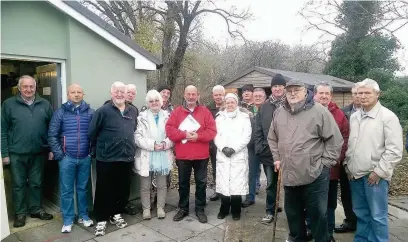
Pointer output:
x,y
68,132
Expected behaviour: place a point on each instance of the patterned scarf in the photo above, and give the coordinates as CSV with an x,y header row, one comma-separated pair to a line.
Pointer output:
x,y
278,101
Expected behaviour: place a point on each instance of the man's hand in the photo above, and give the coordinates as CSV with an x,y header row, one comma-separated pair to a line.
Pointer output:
x,y
6,160
373,179
277,165
192,136
50,156
349,175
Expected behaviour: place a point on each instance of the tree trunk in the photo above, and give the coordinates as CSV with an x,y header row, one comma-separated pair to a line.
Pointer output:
x,y
179,55
168,35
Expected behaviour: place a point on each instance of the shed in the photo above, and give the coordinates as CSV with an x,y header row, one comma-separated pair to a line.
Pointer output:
x,y
60,43
261,77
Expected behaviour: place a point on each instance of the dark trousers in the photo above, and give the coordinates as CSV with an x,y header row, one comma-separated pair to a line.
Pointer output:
x,y
27,169
213,158
232,202
253,174
351,219
271,188
112,187
314,198
200,177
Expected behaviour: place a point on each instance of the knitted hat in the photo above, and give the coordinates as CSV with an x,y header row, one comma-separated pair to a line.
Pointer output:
x,y
164,87
278,80
232,95
248,87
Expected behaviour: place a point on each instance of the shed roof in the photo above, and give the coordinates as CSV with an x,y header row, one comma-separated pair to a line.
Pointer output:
x,y
309,79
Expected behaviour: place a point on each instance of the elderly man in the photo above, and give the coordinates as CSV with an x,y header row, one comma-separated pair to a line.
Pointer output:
x,y
69,142
218,93
131,92
24,124
111,132
248,97
262,150
323,94
306,142
370,161
192,150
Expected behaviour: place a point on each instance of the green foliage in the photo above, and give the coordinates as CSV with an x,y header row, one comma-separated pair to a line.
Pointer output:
x,y
395,98
146,37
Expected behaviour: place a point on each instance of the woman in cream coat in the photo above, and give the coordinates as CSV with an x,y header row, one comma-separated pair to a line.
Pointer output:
x,y
155,156
233,134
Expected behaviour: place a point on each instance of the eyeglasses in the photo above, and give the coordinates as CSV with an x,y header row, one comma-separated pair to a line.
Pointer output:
x,y
154,101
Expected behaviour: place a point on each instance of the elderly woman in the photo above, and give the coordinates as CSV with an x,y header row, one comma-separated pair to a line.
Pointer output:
x,y
154,156
233,135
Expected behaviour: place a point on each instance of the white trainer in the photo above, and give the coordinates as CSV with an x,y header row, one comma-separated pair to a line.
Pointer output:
x,y
86,223
66,228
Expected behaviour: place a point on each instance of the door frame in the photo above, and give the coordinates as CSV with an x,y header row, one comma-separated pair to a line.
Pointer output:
x,y
61,62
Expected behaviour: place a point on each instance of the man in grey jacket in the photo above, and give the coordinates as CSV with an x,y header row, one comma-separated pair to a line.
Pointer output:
x,y
305,141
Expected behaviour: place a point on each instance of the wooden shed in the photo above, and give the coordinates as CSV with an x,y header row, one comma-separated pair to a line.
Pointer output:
x,y
261,77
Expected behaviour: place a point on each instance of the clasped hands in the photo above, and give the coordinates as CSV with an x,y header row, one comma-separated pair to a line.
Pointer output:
x,y
159,146
191,136
228,152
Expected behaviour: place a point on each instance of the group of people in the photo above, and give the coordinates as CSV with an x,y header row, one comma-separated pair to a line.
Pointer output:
x,y
299,132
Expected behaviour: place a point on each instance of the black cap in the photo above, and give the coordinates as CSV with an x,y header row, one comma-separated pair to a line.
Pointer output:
x,y
278,80
164,87
248,87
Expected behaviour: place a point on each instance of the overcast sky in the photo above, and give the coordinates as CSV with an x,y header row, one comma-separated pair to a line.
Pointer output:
x,y
278,20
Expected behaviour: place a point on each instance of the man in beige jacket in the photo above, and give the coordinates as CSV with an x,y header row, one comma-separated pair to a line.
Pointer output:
x,y
374,147
305,140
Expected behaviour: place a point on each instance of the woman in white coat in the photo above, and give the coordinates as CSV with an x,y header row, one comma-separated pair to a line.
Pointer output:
x,y
155,156
233,134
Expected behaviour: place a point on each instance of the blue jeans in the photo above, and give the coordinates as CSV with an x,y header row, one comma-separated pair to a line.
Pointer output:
x,y
254,174
370,204
74,172
271,187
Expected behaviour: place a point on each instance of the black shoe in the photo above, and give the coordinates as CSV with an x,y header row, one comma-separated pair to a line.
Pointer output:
x,y
42,215
215,197
309,235
202,218
247,203
236,217
279,209
180,215
130,210
343,228
19,221
222,215
331,239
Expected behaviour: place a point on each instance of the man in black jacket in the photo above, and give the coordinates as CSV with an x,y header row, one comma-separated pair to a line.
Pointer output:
x,y
262,150
111,133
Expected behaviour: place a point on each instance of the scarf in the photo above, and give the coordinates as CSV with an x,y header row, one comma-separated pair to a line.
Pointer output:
x,y
278,101
159,163
232,114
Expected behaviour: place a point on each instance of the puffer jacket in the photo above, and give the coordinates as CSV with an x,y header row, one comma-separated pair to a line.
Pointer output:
x,y
68,131
145,142
304,140
344,127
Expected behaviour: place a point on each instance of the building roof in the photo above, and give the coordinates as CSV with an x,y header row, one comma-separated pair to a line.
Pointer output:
x,y
309,79
143,58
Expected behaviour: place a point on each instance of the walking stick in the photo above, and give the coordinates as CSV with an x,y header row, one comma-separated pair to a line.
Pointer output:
x,y
277,203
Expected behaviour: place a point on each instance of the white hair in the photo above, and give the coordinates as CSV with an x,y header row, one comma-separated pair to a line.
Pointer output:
x,y
25,77
131,87
355,86
154,95
369,83
218,88
117,85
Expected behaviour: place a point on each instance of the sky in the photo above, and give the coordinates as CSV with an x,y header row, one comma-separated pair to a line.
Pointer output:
x,y
279,20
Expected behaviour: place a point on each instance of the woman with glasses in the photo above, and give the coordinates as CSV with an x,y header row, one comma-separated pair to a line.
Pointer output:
x,y
154,158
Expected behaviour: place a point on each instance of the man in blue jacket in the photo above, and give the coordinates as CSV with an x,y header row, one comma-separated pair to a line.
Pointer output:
x,y
68,139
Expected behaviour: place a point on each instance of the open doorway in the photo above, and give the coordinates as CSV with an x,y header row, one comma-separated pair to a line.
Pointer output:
x,y
49,86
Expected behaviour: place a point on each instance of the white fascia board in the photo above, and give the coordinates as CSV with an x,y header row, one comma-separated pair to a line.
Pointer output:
x,y
141,62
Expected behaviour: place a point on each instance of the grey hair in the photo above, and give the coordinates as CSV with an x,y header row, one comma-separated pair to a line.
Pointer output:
x,y
117,85
26,77
153,95
369,83
323,84
259,89
355,86
131,86
218,88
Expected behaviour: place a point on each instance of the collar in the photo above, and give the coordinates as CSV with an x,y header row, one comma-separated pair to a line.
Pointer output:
x,y
373,112
29,102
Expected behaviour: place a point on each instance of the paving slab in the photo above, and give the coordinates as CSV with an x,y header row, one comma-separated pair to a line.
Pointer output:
x,y
130,220
134,233
399,202
179,231
52,232
11,238
214,234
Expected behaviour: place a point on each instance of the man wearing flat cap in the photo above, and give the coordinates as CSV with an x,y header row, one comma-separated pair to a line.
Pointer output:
x,y
305,142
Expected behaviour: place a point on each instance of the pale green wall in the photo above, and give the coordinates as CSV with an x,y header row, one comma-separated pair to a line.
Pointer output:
x,y
33,28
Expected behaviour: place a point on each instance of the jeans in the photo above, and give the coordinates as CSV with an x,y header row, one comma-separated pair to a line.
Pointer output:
x,y
370,204
331,208
350,219
200,177
27,169
271,188
314,198
112,186
74,173
254,174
